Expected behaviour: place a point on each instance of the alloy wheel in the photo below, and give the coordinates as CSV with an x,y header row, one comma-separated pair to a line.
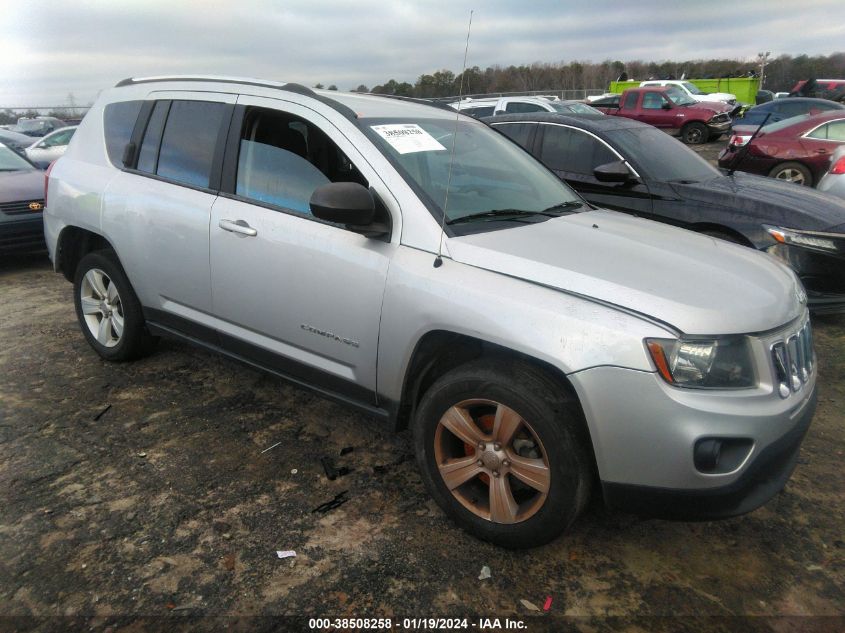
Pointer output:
x,y
492,461
101,307
791,175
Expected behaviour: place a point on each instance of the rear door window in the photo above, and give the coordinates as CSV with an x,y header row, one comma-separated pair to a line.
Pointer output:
x,y
574,151
516,107
188,143
630,101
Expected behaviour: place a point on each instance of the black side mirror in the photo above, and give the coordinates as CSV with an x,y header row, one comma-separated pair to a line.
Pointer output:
x,y
347,203
666,105
616,171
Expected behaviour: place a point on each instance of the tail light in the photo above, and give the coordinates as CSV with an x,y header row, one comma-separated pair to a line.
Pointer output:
x,y
838,167
738,140
47,180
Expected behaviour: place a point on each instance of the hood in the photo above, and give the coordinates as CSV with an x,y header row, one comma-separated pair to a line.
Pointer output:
x,y
21,185
698,284
717,96
713,106
769,200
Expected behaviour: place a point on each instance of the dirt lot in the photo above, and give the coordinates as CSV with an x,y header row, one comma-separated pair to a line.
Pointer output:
x,y
143,489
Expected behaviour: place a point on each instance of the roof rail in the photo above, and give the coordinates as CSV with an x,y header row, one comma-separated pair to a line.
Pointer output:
x,y
289,87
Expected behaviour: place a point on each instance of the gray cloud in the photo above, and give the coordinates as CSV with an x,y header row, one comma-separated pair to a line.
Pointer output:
x,y
50,49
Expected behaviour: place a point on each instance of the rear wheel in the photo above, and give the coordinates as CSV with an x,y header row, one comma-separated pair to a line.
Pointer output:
x,y
694,133
501,449
792,172
109,313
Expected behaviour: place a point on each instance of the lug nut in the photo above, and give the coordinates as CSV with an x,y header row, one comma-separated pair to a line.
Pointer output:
x,y
506,463
495,473
481,446
480,463
497,446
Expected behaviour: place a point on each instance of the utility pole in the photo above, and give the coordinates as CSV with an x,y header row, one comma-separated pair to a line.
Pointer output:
x,y
761,59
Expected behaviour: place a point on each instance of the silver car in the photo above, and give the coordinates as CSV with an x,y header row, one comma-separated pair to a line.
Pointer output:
x,y
46,150
414,264
833,182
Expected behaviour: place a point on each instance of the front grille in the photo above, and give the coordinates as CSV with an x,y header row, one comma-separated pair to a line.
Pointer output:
x,y
793,361
21,207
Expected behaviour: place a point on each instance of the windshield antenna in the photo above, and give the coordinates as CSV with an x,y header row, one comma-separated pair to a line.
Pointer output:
x,y
438,261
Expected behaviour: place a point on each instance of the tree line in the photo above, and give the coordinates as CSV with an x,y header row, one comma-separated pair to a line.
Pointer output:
x,y
781,74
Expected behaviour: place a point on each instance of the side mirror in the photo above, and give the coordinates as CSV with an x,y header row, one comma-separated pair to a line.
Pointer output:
x,y
347,203
666,105
616,171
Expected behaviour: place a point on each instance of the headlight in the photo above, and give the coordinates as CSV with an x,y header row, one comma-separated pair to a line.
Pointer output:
x,y
723,363
828,242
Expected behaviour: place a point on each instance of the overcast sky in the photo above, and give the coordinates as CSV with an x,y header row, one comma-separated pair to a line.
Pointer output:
x,y
51,48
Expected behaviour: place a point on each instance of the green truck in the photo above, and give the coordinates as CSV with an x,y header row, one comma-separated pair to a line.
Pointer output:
x,y
743,90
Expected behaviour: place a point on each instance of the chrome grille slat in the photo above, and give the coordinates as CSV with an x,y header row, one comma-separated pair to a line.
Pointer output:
x,y
792,360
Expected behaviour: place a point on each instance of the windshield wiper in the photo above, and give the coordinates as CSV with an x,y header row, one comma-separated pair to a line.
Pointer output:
x,y
495,214
517,214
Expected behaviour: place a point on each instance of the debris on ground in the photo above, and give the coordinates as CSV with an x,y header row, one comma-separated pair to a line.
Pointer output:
x,y
339,499
529,605
293,471
485,573
229,562
102,413
548,604
270,448
331,471
286,553
346,450
380,469
142,454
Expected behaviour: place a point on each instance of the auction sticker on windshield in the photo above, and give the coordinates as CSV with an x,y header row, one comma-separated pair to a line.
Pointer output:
x,y
406,138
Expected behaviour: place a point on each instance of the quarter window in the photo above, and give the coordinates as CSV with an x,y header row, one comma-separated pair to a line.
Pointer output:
x,y
118,122
833,131
148,156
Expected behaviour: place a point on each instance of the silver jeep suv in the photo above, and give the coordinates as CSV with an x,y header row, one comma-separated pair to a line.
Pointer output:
x,y
541,350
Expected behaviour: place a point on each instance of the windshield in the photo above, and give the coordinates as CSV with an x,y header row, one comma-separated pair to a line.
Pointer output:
x,y
693,89
10,161
577,108
489,172
678,96
662,157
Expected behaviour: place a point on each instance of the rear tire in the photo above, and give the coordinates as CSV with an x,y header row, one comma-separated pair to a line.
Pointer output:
x,y
109,313
502,449
792,172
694,133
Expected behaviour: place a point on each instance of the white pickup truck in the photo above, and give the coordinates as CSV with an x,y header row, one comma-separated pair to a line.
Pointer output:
x,y
692,90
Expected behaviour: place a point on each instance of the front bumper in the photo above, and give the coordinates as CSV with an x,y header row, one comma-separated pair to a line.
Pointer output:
x,y
645,435
719,128
25,234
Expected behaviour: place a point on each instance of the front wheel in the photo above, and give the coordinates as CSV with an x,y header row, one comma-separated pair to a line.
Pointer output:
x,y
694,133
501,449
792,172
109,313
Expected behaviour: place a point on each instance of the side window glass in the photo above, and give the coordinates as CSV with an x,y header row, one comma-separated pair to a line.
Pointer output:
x,y
118,123
517,132
188,142
555,152
819,132
652,101
515,107
148,156
630,102
283,159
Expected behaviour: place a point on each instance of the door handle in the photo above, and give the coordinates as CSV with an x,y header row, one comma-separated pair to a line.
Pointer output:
x,y
237,226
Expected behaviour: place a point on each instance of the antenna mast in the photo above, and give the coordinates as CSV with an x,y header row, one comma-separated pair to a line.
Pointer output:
x,y
438,261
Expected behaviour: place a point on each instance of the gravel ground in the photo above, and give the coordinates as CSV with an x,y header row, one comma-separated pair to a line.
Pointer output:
x,y
146,489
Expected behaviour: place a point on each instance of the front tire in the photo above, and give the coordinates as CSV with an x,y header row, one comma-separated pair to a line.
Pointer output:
x,y
792,172
694,133
109,313
501,448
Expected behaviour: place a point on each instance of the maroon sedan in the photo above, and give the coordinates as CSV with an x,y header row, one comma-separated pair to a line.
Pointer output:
x,y
797,149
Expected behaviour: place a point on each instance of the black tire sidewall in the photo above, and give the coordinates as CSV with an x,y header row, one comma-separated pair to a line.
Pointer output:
x,y
135,338
687,129
552,418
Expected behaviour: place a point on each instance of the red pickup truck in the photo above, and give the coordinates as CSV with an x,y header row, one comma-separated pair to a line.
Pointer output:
x,y
673,111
